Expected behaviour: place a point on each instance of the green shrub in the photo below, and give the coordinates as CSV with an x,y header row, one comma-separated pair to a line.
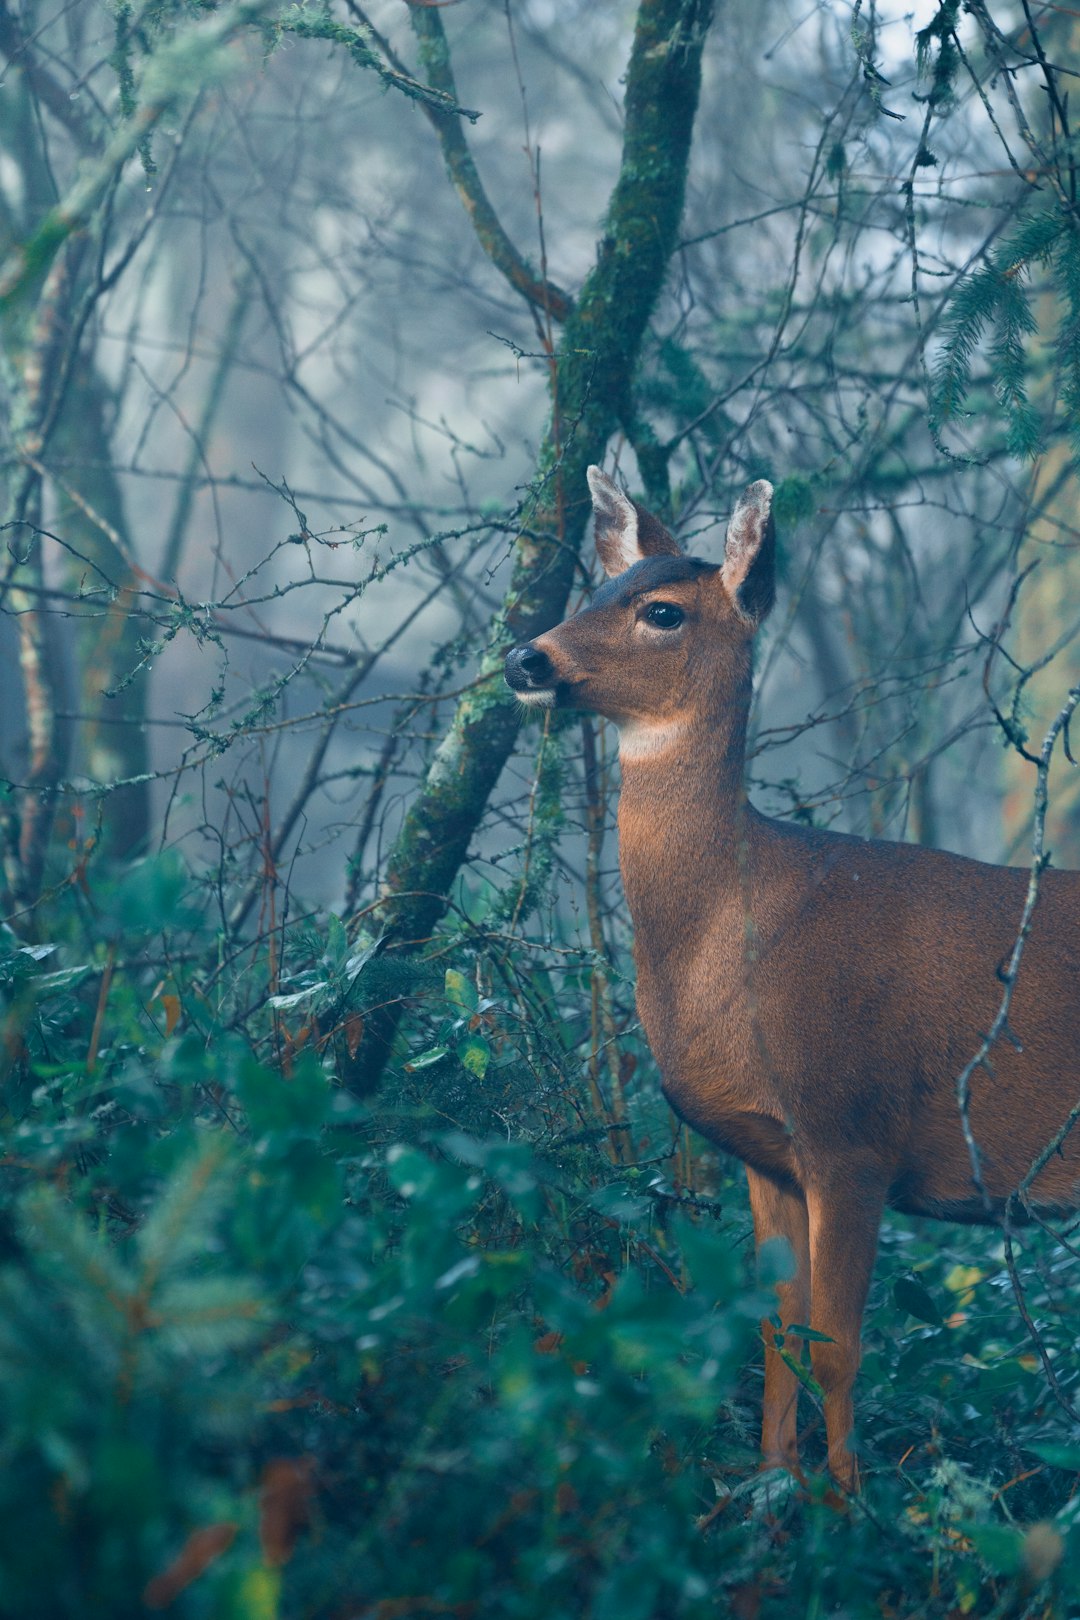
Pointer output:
x,y
268,1351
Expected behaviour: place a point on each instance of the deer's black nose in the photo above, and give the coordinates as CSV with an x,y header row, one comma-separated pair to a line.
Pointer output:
x,y
527,667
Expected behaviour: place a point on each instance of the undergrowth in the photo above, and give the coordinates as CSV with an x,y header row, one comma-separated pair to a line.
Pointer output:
x,y
270,1349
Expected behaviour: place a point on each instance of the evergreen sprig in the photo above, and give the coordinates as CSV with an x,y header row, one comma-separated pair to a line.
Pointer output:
x,y
993,301
1067,271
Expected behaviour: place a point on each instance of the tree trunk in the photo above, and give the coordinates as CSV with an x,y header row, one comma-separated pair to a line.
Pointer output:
x,y
592,389
110,741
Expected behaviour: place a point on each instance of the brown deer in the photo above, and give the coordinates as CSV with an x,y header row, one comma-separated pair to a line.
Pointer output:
x,y
810,997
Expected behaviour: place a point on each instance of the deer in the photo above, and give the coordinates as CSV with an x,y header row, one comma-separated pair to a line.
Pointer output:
x,y
810,996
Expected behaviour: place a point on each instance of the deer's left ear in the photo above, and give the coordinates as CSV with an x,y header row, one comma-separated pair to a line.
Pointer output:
x,y
749,571
625,532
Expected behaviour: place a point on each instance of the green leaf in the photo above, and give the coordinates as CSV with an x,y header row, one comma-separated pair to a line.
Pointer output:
x,y
618,1202
713,1265
797,1330
258,1595
337,944
474,1054
298,1103
151,894
803,1374
425,1060
360,959
63,979
1067,1457
913,1296
775,1261
410,1171
460,991
1000,1547
297,996
794,501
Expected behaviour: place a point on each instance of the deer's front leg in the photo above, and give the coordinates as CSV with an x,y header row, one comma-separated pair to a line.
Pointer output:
x,y
781,1213
845,1213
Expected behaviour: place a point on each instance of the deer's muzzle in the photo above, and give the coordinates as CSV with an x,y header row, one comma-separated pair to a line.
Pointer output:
x,y
529,670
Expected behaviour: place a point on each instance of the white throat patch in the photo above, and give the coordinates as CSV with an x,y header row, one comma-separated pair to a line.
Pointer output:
x,y
642,740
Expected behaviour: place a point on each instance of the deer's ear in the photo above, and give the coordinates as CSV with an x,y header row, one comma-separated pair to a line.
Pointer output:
x,y
625,532
749,572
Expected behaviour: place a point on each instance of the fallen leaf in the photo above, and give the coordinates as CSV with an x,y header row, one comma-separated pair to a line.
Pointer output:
x,y
198,1553
284,1506
354,1033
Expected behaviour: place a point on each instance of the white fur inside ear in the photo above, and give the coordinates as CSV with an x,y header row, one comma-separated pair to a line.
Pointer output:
x,y
745,532
616,524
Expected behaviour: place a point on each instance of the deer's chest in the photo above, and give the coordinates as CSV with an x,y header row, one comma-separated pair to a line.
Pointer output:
x,y
697,1011
702,1035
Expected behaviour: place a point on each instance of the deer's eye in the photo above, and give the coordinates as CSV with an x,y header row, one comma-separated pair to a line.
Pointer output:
x,y
664,615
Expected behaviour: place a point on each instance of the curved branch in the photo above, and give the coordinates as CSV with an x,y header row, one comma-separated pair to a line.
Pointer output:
x,y
464,177
433,98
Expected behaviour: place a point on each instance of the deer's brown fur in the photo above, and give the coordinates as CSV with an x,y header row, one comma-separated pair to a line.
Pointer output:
x,y
810,997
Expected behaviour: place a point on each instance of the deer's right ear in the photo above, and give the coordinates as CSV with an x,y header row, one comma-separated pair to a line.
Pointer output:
x,y
625,532
749,571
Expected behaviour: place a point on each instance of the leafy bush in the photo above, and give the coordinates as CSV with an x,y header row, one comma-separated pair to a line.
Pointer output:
x,y
269,1350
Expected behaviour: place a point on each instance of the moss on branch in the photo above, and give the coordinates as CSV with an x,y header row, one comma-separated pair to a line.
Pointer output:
x,y
464,177
318,24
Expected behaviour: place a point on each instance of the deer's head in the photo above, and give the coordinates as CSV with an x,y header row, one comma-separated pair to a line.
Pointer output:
x,y
666,636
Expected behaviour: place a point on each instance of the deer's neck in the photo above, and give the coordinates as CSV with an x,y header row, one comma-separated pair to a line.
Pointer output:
x,y
684,824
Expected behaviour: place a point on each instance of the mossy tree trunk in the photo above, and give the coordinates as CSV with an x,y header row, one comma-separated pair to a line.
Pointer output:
x,y
111,743
57,432
592,389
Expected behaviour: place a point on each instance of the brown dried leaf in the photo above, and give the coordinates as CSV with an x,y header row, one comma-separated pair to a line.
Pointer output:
x,y
354,1033
604,1300
198,1553
284,1506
